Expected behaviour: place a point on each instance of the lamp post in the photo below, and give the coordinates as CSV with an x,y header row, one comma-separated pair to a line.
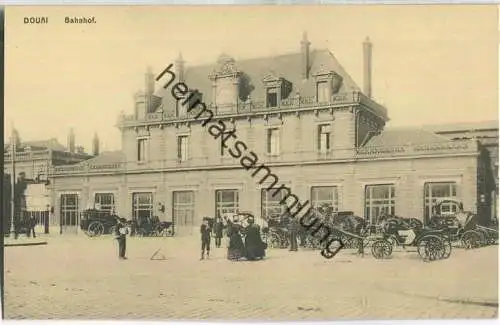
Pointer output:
x,y
13,141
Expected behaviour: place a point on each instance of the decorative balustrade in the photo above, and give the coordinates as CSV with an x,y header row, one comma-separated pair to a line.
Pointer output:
x,y
27,155
293,102
445,148
448,147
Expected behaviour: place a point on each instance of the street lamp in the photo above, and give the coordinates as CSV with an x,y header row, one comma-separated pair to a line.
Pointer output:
x,y
13,141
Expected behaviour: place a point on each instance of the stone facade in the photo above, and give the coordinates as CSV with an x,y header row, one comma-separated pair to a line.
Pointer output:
x,y
322,137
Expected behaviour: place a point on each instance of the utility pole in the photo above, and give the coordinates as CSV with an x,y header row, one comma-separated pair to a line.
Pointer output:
x,y
13,141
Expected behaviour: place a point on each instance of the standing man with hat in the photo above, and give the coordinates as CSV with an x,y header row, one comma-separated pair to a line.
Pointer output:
x,y
205,238
293,230
121,232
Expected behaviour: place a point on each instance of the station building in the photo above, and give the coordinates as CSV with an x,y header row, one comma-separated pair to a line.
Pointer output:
x,y
302,116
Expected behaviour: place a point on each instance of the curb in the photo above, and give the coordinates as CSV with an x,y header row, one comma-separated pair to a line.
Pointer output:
x,y
25,244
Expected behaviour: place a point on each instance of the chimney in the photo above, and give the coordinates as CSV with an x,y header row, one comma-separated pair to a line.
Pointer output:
x,y
71,141
304,50
149,81
367,67
95,145
149,88
179,68
15,138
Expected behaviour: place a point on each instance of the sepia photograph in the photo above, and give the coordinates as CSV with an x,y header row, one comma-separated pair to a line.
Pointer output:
x,y
278,163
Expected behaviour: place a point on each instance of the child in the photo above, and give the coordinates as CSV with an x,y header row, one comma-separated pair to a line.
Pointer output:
x,y
205,238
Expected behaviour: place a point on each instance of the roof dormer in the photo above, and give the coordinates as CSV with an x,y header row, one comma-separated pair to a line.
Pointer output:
x,y
328,83
277,89
225,84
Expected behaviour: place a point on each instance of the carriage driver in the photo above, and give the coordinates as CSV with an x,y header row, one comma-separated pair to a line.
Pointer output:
x,y
461,216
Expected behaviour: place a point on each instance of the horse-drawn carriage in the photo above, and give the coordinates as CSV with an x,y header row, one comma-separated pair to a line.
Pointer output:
x,y
276,232
152,227
431,244
97,222
463,231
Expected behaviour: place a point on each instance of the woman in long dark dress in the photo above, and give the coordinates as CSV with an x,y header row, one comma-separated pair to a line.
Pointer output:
x,y
254,247
236,248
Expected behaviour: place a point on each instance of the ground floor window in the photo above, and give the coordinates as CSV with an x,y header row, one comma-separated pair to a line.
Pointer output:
x,y
105,202
271,203
325,196
69,209
226,201
434,192
183,208
142,205
379,200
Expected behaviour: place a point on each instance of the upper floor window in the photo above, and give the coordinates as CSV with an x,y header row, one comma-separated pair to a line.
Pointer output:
x,y
272,97
323,93
324,135
273,141
142,149
182,147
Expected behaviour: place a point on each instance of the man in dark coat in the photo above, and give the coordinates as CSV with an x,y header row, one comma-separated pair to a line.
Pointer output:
x,y
205,238
218,228
293,230
254,247
120,234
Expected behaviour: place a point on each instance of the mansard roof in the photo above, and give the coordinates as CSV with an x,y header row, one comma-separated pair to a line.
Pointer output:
x,y
106,158
464,126
287,66
392,137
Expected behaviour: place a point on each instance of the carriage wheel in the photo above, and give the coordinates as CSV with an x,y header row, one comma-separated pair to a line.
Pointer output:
x,y
274,241
431,248
381,249
471,239
95,229
435,248
447,248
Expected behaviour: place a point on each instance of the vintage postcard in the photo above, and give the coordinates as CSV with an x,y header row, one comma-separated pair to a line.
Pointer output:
x,y
251,163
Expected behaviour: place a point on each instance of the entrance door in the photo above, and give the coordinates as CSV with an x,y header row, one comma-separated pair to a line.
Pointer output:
x,y
183,212
70,219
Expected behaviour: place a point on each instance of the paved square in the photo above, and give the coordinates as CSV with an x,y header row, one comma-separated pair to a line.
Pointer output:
x,y
82,278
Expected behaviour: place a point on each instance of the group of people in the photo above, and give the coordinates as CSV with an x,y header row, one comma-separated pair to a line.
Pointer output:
x,y
244,242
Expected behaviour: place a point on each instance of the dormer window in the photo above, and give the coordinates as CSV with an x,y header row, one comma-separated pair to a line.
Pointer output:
x,y
277,89
272,97
328,83
225,84
323,92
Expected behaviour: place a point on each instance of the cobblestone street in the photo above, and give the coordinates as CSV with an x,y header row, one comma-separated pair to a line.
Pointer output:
x,y
82,278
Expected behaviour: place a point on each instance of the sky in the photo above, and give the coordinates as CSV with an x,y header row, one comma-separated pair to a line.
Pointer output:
x,y
431,64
